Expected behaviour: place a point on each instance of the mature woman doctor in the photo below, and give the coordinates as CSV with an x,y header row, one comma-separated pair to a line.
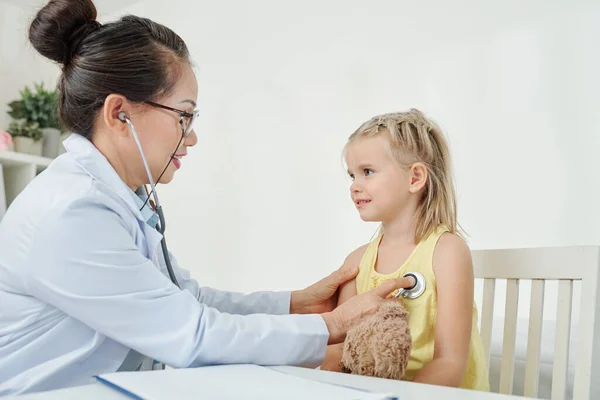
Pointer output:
x,y
84,289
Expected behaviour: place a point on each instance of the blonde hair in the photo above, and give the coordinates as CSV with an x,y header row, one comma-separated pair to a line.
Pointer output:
x,y
413,138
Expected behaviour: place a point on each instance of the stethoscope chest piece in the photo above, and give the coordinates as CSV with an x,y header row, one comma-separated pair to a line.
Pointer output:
x,y
416,290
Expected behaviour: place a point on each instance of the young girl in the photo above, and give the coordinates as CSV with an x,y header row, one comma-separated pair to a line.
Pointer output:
x,y
400,167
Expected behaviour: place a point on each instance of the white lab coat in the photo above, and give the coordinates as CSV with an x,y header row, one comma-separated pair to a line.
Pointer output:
x,y
83,282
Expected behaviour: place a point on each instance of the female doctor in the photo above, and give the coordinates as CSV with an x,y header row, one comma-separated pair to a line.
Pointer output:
x,y
84,286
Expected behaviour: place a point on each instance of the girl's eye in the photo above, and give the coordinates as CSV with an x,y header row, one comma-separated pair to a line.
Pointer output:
x,y
368,171
351,176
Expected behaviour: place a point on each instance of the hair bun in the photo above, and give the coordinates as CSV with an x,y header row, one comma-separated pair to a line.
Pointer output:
x,y
60,26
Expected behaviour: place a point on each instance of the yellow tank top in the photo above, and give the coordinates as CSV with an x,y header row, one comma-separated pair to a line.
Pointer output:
x,y
423,310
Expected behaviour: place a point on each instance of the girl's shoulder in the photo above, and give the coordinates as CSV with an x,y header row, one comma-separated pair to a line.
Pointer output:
x,y
355,257
449,241
452,252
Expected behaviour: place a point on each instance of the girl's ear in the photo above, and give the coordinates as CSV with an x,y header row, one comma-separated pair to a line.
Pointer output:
x,y
418,177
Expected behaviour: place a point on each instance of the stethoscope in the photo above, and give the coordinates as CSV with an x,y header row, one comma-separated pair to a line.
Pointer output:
x,y
409,293
415,290
158,208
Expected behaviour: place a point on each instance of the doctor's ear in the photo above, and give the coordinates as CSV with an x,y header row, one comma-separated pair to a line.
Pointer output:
x,y
114,114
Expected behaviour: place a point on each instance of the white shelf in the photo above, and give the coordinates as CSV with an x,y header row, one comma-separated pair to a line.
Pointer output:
x,y
18,169
12,158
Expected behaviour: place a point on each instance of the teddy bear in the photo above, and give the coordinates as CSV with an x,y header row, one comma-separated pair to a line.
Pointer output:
x,y
379,345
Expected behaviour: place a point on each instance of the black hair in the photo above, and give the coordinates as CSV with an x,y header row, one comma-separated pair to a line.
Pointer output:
x,y
135,57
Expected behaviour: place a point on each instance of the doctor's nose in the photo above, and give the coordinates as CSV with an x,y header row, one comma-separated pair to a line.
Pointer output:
x,y
191,139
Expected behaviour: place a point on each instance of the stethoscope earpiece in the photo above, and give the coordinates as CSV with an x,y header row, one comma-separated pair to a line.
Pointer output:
x,y
416,290
123,116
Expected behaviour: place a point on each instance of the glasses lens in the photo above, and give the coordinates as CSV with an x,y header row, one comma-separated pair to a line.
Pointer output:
x,y
191,122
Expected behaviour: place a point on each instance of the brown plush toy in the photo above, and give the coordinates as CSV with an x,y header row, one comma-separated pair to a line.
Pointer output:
x,y
380,345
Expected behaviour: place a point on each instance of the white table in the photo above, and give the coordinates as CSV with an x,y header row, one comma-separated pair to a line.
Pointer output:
x,y
94,391
404,390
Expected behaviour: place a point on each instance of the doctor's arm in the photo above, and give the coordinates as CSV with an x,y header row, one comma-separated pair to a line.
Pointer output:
x,y
266,302
85,263
316,299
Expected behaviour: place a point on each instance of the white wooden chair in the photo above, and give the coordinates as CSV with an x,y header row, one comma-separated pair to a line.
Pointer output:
x,y
565,264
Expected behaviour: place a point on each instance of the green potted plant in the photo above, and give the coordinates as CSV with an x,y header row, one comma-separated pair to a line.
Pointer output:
x,y
40,107
27,136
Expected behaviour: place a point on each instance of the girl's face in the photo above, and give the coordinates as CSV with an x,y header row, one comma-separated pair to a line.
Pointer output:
x,y
381,187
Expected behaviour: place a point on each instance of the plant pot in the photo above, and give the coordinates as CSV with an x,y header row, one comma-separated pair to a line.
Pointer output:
x,y
61,148
28,145
51,142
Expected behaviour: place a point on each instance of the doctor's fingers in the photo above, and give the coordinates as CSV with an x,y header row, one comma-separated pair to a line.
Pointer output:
x,y
344,273
386,288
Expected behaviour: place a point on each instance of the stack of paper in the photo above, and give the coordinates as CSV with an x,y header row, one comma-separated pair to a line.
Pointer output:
x,y
229,382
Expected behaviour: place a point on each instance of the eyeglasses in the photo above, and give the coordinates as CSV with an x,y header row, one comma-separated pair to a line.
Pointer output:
x,y
186,121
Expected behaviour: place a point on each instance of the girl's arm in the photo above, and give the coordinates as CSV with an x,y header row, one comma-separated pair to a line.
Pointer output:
x,y
453,269
333,356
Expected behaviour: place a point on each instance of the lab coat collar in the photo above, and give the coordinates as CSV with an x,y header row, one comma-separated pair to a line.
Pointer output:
x,y
88,157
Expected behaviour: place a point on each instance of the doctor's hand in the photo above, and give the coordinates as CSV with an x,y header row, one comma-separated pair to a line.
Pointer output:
x,y
351,312
322,296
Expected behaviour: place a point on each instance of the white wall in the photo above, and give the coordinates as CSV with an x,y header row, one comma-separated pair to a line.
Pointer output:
x,y
283,85
21,65
262,201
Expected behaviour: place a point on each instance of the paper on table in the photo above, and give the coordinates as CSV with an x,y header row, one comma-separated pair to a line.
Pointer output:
x,y
229,382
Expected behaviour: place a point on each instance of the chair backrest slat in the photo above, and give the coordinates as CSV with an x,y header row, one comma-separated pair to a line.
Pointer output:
x,y
510,335
561,341
534,339
487,315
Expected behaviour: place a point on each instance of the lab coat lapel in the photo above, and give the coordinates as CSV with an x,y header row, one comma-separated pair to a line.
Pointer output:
x,y
153,238
87,156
